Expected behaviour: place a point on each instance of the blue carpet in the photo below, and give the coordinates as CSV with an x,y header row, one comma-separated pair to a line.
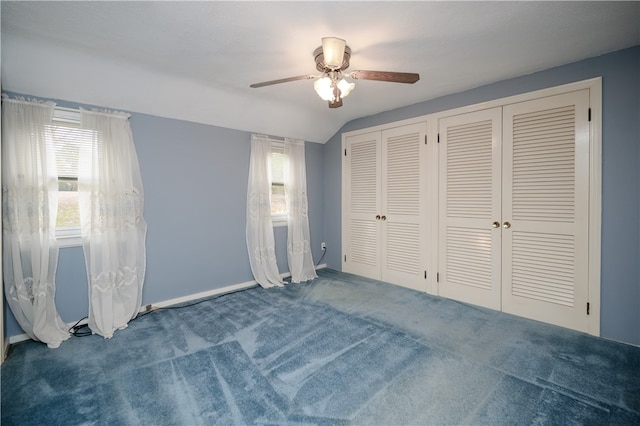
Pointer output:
x,y
339,350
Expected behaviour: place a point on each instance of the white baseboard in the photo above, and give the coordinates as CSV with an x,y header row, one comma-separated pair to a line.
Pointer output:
x,y
18,338
165,303
5,350
197,296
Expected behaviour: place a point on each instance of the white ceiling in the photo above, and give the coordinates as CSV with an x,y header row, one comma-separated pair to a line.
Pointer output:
x,y
195,60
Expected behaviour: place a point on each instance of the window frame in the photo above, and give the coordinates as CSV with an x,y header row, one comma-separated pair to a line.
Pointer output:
x,y
277,219
67,236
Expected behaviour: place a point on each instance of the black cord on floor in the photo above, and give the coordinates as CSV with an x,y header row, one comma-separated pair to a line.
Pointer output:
x,y
324,251
140,315
78,330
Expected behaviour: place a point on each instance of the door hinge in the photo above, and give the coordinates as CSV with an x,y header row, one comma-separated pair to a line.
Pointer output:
x,y
589,114
425,139
345,257
588,308
438,137
345,152
425,275
437,277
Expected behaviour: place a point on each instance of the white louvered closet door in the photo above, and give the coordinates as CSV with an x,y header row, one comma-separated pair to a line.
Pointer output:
x,y
545,200
362,198
470,204
403,219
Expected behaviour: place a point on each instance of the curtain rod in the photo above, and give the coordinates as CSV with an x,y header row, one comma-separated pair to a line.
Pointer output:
x,y
276,138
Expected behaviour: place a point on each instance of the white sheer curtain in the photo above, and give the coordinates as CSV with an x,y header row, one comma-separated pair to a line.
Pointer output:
x,y
298,238
111,216
29,203
260,242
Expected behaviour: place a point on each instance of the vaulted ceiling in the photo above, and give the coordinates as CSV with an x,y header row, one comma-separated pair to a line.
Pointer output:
x,y
195,60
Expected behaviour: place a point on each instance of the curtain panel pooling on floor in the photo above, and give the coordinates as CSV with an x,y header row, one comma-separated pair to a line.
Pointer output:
x,y
29,203
113,227
260,240
298,236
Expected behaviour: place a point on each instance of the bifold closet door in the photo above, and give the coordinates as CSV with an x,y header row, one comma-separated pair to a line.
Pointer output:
x,y
361,196
545,202
403,213
470,207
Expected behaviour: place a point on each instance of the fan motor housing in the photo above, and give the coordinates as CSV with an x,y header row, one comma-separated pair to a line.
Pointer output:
x,y
322,67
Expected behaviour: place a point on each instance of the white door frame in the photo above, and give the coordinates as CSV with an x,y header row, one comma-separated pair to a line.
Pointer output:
x,y
595,176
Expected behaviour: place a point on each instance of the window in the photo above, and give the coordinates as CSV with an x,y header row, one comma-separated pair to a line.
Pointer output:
x,y
278,203
67,138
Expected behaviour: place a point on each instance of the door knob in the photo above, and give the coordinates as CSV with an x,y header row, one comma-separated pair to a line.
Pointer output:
x,y
496,224
384,218
506,225
377,217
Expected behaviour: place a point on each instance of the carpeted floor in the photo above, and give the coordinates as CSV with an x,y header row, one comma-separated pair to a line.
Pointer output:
x,y
338,350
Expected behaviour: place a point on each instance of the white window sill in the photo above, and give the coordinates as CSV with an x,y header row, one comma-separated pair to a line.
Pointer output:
x,y
279,221
68,237
70,241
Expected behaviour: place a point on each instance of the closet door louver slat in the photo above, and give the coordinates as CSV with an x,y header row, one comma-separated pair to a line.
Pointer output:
x,y
469,204
545,196
403,206
362,173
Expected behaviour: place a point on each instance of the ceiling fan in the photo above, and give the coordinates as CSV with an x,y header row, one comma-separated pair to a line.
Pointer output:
x,y
332,59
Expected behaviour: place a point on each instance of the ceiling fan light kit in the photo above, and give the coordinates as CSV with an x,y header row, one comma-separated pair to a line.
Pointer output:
x,y
332,59
333,49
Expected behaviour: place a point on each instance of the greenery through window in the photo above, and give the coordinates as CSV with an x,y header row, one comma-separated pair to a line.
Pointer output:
x,y
278,203
67,138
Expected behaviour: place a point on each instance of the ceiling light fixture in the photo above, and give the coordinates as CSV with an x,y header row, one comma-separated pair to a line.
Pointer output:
x,y
333,50
331,59
330,87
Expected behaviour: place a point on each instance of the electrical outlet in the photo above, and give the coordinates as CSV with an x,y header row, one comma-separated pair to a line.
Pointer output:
x,y
323,245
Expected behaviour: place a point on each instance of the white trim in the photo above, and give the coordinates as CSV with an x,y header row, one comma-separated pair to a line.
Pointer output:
x,y
594,85
433,173
542,93
66,115
167,303
595,206
19,338
5,349
387,126
279,220
69,236
550,91
197,296
70,241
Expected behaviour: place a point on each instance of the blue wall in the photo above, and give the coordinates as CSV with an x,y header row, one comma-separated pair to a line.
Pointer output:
x,y
620,72
195,180
197,175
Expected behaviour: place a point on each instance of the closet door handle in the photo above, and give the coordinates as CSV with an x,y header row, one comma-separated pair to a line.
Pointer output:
x,y
377,217
506,225
384,218
496,224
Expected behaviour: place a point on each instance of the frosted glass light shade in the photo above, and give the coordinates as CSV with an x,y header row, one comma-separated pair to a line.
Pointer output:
x,y
333,51
345,87
323,88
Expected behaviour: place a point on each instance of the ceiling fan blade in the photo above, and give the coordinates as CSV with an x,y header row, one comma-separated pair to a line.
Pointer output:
x,y
282,80
394,77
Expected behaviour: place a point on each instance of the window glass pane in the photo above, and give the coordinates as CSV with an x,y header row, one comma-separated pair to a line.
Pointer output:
x,y
277,167
278,203
68,207
67,140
